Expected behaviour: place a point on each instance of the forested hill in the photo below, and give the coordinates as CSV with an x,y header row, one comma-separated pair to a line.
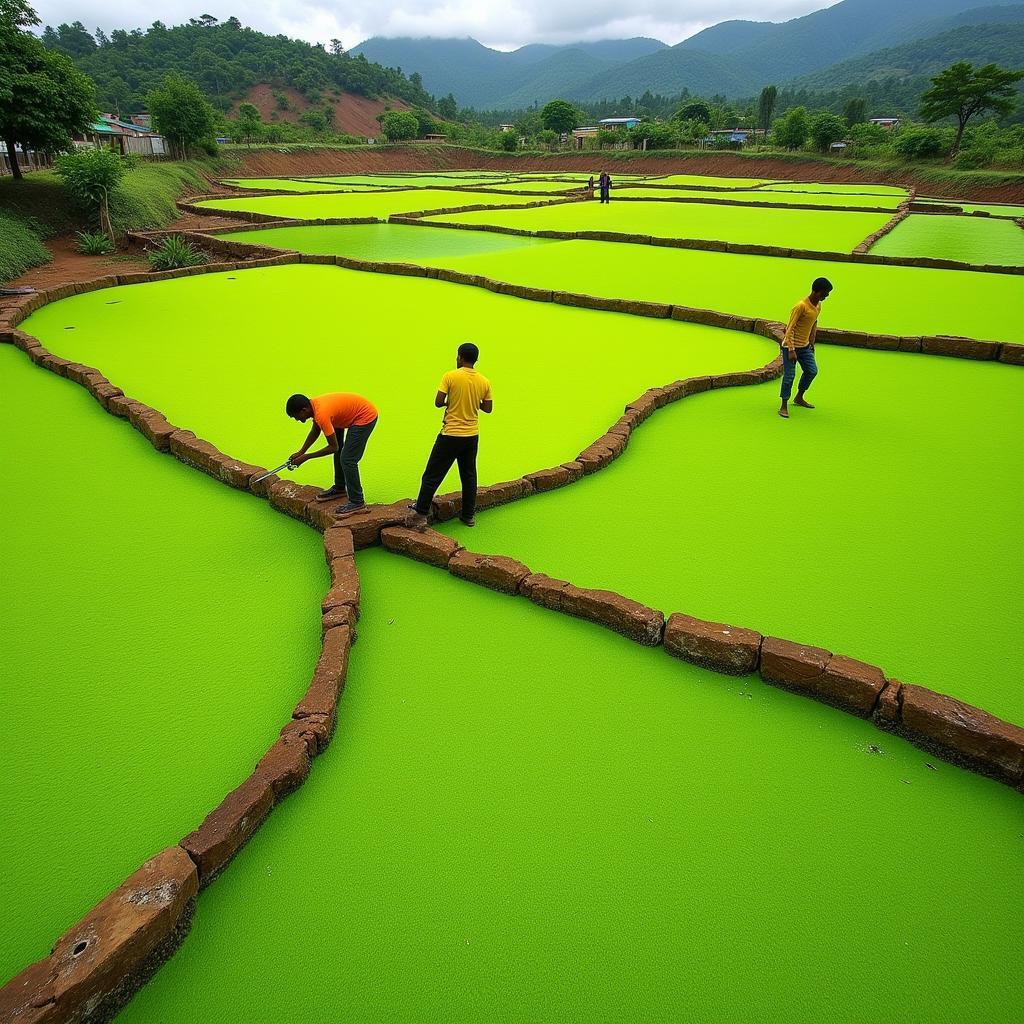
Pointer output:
x,y
913,63
225,59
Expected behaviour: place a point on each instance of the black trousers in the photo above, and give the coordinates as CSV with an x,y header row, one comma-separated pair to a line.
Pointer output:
x,y
446,451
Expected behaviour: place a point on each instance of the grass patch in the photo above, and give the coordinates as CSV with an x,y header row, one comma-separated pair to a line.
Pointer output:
x,y
20,247
146,197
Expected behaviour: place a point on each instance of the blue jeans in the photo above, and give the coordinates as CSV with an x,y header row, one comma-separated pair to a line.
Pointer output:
x,y
808,370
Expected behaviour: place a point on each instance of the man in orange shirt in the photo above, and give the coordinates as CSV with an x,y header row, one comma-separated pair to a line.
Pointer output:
x,y
798,345
346,421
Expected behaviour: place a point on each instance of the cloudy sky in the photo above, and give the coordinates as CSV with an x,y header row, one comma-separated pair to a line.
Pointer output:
x,y
501,23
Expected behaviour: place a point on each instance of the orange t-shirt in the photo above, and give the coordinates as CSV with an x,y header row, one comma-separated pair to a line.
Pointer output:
x,y
342,409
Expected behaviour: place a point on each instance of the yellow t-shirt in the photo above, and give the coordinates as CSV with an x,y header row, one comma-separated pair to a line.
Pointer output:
x,y
465,389
801,323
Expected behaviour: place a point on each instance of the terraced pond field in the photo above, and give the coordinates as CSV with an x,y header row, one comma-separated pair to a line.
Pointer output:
x,y
979,240
524,816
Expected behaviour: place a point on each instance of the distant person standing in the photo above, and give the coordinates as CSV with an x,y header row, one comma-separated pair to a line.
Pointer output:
x,y
590,186
346,421
605,184
463,394
798,345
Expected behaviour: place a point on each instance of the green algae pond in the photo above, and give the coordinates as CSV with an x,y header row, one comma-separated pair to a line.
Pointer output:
x,y
306,185
261,338
524,817
992,209
978,240
878,299
820,230
880,202
857,526
363,204
158,628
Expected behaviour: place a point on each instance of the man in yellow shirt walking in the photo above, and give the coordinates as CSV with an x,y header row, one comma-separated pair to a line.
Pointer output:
x,y
463,393
798,345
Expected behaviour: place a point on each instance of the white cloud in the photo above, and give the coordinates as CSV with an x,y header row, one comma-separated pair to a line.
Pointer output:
x,y
505,24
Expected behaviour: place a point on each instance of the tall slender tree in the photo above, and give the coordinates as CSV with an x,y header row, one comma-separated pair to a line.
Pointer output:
x,y
766,107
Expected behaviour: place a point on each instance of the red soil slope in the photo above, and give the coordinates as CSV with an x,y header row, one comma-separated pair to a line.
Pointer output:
x,y
353,114
421,157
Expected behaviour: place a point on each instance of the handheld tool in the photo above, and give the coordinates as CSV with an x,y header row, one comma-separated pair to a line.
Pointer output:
x,y
284,465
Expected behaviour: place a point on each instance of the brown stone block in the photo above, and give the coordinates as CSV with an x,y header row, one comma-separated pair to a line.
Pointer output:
x,y
89,974
55,364
960,348
425,546
525,292
501,493
285,765
104,392
321,697
152,424
593,458
851,339
194,451
365,525
340,615
455,276
910,344
291,498
964,732
338,543
314,731
317,257
852,685
494,571
25,341
235,473
446,506
543,590
344,584
549,479
121,405
883,342
646,404
714,645
632,619
620,428
887,710
1011,353
789,664
227,828
730,380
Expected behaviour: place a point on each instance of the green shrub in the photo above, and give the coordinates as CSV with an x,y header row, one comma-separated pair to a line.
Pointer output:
x,y
93,243
90,178
20,248
920,143
174,252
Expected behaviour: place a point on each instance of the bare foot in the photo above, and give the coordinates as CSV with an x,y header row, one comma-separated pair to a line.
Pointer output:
x,y
803,403
784,413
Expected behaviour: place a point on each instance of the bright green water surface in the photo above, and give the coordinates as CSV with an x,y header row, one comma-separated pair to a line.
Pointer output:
x,y
866,526
411,180
882,300
821,230
220,353
535,186
855,188
885,202
158,628
979,240
363,204
524,817
707,180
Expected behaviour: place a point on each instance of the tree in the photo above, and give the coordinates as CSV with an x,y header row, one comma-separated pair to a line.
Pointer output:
x,y
855,111
766,107
963,91
509,141
696,110
315,120
181,113
447,107
399,126
44,99
337,50
560,116
89,177
919,143
791,129
249,124
824,129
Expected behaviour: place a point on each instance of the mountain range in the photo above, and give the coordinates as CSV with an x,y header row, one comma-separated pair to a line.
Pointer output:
x,y
828,48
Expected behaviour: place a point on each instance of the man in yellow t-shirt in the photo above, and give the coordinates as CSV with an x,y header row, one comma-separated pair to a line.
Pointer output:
x,y
463,393
798,345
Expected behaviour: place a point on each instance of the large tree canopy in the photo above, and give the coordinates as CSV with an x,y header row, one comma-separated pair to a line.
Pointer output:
x,y
181,113
44,99
963,91
560,116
